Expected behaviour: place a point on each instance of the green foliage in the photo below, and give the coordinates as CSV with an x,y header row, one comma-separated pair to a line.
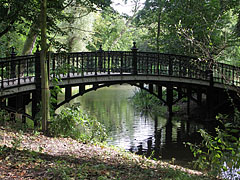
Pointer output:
x,y
4,117
218,153
73,122
206,29
113,32
145,101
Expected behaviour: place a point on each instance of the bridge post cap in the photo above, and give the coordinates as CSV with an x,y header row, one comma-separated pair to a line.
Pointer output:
x,y
134,48
13,51
100,48
38,48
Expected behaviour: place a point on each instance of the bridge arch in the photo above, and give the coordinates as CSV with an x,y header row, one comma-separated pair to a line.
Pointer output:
x,y
152,85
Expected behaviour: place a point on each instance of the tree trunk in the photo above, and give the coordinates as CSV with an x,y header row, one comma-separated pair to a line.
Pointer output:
x,y
158,30
44,71
30,41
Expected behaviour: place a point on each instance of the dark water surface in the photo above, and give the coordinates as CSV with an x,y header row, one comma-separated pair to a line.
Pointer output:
x,y
155,136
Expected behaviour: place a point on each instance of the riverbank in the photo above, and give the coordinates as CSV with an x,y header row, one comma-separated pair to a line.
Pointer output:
x,y
29,155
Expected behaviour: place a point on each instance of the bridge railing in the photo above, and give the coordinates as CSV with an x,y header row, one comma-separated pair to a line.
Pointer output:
x,y
171,65
90,63
18,70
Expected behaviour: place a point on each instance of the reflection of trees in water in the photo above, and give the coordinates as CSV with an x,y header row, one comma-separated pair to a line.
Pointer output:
x,y
163,146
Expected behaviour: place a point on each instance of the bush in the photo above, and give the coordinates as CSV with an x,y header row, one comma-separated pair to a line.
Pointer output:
x,y
73,122
145,101
219,154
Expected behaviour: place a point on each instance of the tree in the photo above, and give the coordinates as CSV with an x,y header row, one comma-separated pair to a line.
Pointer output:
x,y
44,71
27,14
204,29
114,31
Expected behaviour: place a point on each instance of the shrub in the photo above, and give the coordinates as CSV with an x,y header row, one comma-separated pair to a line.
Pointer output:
x,y
73,122
219,154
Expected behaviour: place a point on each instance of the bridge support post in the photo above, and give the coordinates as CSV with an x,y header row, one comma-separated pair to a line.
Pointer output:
x,y
170,99
199,97
209,103
210,95
134,58
12,103
81,89
150,86
36,96
189,93
20,106
159,89
179,90
13,63
68,93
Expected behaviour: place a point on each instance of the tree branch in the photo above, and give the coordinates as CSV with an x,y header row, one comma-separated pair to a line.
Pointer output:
x,y
7,28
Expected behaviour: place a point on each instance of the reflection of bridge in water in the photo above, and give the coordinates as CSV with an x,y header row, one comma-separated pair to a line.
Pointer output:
x,y
191,78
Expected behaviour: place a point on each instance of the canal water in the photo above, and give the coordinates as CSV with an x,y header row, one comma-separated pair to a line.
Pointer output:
x,y
128,128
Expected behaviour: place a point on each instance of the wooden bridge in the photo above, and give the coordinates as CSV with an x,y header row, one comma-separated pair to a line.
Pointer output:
x,y
20,78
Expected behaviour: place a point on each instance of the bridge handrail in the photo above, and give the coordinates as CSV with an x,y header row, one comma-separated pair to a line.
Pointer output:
x,y
17,70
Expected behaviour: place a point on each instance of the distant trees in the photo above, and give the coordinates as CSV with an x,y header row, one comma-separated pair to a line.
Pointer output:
x,y
206,29
22,19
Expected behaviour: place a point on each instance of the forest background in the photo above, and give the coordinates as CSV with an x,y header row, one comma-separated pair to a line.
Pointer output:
x,y
207,29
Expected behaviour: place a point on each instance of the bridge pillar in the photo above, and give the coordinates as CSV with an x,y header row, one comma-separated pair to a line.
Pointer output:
x,y
159,90
68,93
189,94
199,97
170,99
36,96
150,86
179,91
20,106
12,102
81,89
95,86
210,100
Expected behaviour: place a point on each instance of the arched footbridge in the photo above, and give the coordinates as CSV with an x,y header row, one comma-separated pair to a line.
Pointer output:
x,y
20,77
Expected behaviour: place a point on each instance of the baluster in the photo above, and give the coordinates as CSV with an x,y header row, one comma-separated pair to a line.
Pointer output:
x,y
28,67
77,64
2,78
82,74
180,67
95,63
53,65
8,71
48,63
233,75
108,62
170,66
121,65
158,64
72,65
147,65
68,62
104,62
19,73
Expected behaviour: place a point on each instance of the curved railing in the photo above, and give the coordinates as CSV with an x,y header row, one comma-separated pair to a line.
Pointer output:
x,y
20,70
